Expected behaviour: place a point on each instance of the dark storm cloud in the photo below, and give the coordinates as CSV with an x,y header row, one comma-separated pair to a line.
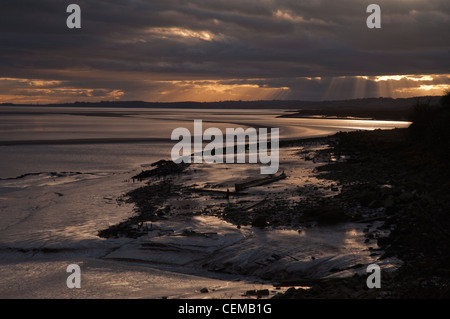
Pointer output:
x,y
125,45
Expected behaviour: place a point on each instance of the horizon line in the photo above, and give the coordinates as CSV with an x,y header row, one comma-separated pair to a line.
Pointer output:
x,y
215,102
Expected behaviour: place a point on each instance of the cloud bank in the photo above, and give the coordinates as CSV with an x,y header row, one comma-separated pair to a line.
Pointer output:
x,y
202,50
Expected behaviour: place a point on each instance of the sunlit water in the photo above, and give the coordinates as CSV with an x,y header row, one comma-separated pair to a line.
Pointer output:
x,y
79,160
97,139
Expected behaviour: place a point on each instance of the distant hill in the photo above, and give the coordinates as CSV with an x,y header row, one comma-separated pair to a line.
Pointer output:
x,y
379,108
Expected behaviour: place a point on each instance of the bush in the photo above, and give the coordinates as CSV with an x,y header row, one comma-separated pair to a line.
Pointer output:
x,y
422,116
445,100
431,123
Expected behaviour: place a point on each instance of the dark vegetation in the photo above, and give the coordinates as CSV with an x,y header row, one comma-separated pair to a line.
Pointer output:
x,y
431,125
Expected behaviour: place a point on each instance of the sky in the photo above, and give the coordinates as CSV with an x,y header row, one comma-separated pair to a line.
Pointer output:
x,y
219,50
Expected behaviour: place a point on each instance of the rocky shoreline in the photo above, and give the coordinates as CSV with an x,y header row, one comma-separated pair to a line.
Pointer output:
x,y
407,184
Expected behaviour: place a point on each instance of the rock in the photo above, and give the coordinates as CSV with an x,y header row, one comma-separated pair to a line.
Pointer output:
x,y
367,196
374,204
258,293
250,293
389,202
383,241
162,168
329,215
324,215
204,290
262,292
260,221
406,197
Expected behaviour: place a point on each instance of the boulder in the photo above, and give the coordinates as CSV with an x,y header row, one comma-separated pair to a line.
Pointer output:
x,y
260,221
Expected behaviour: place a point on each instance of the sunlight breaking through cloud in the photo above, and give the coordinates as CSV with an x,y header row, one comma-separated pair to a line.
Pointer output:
x,y
33,91
174,32
303,50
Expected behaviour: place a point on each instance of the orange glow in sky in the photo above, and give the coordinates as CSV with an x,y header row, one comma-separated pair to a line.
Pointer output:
x,y
37,91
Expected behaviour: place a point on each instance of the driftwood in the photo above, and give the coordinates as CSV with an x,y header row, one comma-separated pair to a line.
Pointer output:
x,y
257,204
214,191
258,182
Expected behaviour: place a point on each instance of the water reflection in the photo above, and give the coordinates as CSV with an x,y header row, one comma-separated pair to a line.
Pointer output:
x,y
23,124
86,139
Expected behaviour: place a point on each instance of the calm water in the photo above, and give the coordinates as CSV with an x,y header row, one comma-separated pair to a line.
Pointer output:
x,y
43,139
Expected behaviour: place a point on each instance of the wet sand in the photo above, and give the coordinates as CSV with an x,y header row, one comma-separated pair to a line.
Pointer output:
x,y
215,228
189,240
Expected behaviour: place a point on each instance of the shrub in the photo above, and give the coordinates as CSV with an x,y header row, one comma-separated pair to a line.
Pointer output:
x,y
431,123
421,116
445,100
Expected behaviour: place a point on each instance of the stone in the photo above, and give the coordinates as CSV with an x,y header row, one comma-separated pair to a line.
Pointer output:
x,y
260,221
389,202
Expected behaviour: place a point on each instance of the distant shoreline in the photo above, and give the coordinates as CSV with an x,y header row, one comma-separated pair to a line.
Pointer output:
x,y
370,116
368,108
114,140
256,104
